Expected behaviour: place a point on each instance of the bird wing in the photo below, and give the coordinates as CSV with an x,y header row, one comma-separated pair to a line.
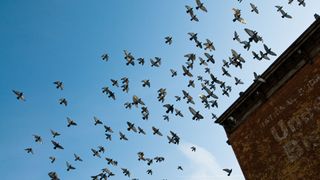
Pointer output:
x,y
134,129
193,112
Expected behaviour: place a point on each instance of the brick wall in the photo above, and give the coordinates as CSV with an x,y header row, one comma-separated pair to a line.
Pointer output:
x,y
281,138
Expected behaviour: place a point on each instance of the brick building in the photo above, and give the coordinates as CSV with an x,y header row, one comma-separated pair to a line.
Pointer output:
x,y
274,127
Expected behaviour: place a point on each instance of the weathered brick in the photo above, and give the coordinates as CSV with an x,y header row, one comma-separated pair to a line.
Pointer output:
x,y
277,133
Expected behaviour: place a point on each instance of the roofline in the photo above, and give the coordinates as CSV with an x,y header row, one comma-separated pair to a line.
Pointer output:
x,y
250,92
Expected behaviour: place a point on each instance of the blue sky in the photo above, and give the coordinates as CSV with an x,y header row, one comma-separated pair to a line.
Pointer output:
x,y
44,41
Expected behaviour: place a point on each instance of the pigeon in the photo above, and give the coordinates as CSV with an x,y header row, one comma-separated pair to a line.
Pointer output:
x,y
19,95
63,101
168,40
229,171
29,150
59,85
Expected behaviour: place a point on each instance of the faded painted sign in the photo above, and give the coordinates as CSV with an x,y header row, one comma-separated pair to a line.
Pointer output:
x,y
281,138
295,148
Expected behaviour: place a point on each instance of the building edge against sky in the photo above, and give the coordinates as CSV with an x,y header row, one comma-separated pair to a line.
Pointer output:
x,y
274,127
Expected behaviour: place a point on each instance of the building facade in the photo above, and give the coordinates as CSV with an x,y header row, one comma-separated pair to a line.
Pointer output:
x,y
274,127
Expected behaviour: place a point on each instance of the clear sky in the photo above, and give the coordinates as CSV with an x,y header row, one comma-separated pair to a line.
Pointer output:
x,y
42,41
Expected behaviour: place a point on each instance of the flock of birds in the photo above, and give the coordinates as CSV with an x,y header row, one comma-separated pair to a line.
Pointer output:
x,y
209,98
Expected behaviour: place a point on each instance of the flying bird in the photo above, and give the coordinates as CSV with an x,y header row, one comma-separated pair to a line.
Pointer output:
x,y
95,153
108,136
246,45
268,50
145,83
258,78
109,160
141,156
59,85
302,2
126,172
264,55
209,58
193,148
236,36
131,127
141,131
53,175
149,161
201,6
108,129
225,72
156,62
156,131
175,139
191,57
56,145
69,166
237,16
214,116
198,44
123,137
225,63
186,72
168,40
141,61
129,58
202,62
149,171
187,96
178,112
136,101
209,45
52,158
101,149
283,13
105,57
166,117
193,36
71,122
253,35
54,133
19,95
191,83
29,150
191,13
114,82
254,8
178,98
256,56
238,81
173,73
37,139
229,171
63,101
77,158
159,159
196,114
96,121
127,105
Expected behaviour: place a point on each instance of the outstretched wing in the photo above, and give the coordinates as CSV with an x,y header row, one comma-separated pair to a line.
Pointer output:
x,y
134,129
193,112
249,32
